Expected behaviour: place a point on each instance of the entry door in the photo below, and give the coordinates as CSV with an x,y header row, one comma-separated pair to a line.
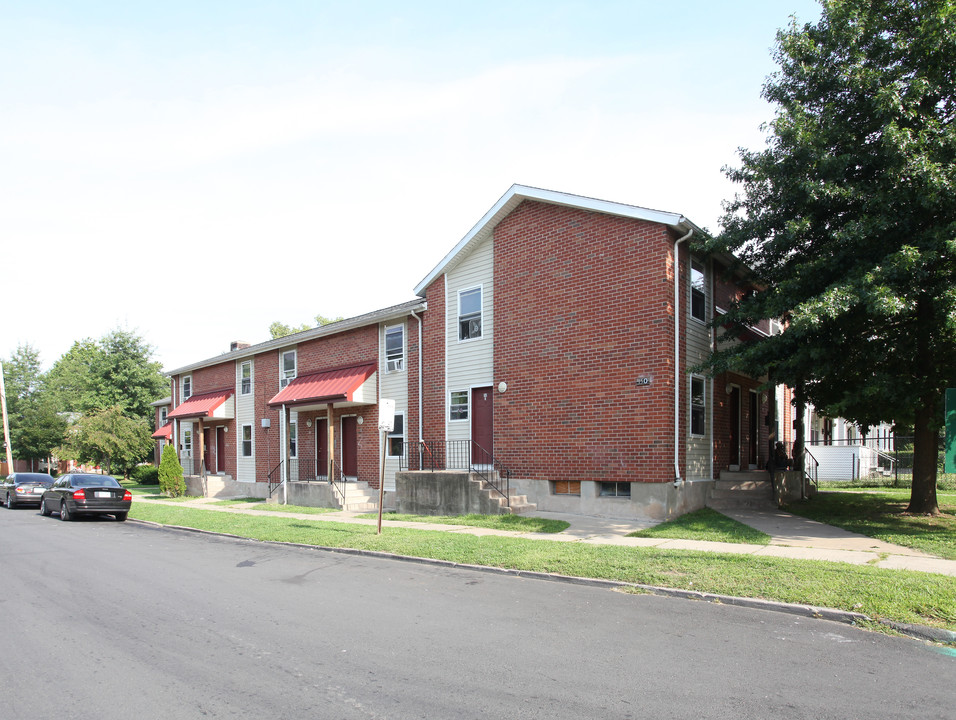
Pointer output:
x,y
754,427
350,446
735,428
482,425
208,449
220,449
322,448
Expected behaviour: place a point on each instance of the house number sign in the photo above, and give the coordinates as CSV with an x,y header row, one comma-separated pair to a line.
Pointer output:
x,y
643,381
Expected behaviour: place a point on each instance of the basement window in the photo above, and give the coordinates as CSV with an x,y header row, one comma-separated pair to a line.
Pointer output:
x,y
566,487
616,489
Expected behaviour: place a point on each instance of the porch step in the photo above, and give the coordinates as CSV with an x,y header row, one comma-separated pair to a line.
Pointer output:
x,y
742,490
359,497
517,504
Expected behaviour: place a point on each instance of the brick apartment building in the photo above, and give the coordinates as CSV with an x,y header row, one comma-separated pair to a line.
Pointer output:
x,y
547,337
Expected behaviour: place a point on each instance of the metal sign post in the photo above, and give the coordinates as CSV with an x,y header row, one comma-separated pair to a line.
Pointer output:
x,y
386,423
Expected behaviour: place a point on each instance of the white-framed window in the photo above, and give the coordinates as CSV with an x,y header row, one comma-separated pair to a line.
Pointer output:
x,y
469,313
394,348
698,291
616,489
163,412
188,442
245,378
287,367
246,441
698,405
293,440
458,406
396,438
186,388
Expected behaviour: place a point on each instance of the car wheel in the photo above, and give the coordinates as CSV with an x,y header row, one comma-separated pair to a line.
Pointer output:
x,y
120,516
44,510
64,512
11,503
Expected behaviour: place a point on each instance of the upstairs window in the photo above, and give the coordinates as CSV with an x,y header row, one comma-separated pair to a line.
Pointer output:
x,y
163,412
245,378
698,295
187,388
286,368
395,348
469,314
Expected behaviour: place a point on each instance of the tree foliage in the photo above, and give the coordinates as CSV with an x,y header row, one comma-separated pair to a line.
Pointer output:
x,y
278,329
109,438
847,220
171,480
36,426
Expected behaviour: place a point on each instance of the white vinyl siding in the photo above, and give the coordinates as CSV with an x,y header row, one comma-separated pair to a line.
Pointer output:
x,y
469,363
394,385
696,343
245,415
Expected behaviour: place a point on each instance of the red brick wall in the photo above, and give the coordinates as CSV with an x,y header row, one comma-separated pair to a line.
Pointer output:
x,y
722,420
583,309
433,363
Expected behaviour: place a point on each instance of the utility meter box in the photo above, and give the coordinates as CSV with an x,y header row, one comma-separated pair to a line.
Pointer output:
x,y
386,415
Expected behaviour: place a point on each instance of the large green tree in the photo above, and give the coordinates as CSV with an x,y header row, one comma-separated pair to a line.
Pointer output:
x,y
846,222
36,426
109,437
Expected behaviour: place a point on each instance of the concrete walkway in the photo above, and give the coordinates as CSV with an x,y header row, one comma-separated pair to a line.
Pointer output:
x,y
791,536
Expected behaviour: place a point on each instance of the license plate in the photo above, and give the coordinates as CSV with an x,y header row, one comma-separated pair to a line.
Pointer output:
x,y
103,493
37,491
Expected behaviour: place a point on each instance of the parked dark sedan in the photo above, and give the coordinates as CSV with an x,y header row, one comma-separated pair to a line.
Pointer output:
x,y
24,488
79,494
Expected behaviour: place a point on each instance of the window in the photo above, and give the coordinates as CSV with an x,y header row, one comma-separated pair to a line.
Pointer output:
x,y
187,388
698,297
287,368
247,440
293,439
566,487
394,348
698,405
616,489
163,412
459,405
245,378
187,442
396,438
469,314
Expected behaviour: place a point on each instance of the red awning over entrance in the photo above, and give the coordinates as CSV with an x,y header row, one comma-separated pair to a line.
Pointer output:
x,y
331,386
164,433
202,406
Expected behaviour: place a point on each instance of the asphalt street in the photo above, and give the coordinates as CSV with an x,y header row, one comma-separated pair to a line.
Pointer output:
x,y
102,619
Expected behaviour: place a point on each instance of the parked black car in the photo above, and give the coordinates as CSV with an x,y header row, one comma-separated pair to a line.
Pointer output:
x,y
80,494
24,488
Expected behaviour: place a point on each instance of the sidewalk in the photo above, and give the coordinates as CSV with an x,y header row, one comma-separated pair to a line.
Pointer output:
x,y
791,536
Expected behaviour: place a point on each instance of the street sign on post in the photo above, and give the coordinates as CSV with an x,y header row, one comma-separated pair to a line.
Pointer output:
x,y
386,423
949,465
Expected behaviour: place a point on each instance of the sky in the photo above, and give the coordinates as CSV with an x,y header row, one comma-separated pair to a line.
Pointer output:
x,y
193,171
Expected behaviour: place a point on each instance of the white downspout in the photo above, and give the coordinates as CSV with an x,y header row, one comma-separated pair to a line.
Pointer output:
x,y
678,480
421,383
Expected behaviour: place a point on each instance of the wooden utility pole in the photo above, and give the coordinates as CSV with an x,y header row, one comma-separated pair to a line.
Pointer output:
x,y
6,422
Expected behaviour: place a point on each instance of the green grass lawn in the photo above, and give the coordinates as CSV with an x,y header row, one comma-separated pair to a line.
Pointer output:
x,y
879,514
518,523
705,524
897,595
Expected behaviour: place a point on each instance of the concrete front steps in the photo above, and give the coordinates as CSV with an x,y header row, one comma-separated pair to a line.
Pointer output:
x,y
742,490
359,497
518,503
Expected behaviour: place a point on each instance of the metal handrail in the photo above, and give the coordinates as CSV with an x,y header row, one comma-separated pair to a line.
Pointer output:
x,y
811,476
458,455
337,480
273,483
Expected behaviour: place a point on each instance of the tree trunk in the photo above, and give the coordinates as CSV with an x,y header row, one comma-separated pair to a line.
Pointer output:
x,y
799,430
925,456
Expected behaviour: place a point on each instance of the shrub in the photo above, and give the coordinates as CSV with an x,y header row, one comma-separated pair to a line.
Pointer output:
x,y
171,479
145,475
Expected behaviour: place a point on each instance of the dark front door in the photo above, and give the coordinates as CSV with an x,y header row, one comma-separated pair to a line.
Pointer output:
x,y
754,428
221,449
350,446
321,448
208,449
734,428
482,425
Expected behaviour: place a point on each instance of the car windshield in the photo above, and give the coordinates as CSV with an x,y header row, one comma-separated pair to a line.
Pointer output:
x,y
33,478
94,481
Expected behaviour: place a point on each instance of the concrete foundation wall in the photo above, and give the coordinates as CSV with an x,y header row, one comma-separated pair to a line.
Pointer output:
x,y
654,501
225,488
442,493
789,486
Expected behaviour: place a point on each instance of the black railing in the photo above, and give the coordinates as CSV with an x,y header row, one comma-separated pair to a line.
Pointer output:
x,y
457,455
275,478
308,471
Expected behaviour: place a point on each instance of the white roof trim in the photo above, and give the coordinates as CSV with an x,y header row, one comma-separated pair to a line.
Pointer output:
x,y
517,193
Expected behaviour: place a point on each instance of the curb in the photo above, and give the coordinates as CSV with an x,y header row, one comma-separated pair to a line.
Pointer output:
x,y
846,617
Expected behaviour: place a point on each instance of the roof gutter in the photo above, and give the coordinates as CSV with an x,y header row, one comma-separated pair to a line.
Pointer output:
x,y
678,480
